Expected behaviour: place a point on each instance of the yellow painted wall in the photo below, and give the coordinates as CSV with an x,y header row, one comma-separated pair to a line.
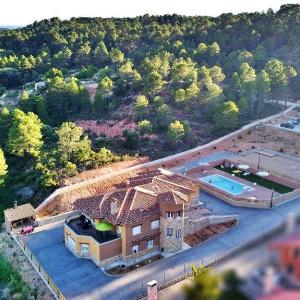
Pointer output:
x,y
94,247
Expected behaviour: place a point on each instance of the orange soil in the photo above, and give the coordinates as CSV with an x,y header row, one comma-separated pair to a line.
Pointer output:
x,y
110,129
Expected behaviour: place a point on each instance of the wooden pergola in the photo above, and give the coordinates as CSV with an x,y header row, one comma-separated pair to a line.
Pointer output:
x,y
18,215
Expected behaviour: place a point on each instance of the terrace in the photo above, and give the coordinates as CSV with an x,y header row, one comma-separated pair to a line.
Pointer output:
x,y
87,229
261,181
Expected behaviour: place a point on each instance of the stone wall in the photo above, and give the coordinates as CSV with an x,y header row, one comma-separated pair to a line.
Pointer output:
x,y
171,244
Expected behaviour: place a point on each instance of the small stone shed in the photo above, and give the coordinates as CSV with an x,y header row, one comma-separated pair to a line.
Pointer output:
x,y
19,215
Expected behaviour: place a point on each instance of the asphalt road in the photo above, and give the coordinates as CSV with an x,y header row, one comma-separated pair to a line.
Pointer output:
x,y
81,279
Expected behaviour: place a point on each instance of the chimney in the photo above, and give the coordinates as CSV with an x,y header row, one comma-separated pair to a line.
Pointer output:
x,y
15,204
152,290
157,189
114,207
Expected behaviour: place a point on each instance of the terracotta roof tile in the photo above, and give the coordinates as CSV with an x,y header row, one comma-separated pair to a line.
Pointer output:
x,y
140,199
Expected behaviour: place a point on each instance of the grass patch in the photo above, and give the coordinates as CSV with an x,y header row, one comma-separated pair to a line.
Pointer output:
x,y
262,181
10,278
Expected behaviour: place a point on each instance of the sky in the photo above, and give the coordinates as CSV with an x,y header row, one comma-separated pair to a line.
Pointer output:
x,y
24,12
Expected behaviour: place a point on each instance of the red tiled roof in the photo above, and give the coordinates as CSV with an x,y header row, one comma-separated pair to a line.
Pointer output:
x,y
138,201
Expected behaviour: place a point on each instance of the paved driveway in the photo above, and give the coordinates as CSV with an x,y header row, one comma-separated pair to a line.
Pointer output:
x,y
81,279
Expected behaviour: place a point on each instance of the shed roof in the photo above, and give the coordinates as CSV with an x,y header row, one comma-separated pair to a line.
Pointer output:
x,y
20,212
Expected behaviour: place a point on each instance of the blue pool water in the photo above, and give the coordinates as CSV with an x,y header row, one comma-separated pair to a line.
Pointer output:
x,y
225,184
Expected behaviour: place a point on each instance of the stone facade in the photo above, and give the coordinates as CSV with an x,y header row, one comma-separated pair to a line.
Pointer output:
x,y
172,230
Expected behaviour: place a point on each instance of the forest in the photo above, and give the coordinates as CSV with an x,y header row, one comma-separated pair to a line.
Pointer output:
x,y
182,81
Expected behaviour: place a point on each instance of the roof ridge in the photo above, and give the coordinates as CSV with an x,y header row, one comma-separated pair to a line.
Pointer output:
x,y
123,203
172,183
142,189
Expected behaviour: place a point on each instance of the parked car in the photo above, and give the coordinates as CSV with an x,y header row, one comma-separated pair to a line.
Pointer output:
x,y
287,125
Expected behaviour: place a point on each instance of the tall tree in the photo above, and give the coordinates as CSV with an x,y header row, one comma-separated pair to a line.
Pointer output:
x,y
227,116
25,134
3,167
141,106
176,133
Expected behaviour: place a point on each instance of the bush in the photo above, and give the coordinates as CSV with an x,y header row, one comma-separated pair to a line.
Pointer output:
x,y
11,278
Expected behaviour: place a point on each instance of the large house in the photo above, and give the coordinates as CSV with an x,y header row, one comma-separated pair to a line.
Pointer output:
x,y
150,212
287,253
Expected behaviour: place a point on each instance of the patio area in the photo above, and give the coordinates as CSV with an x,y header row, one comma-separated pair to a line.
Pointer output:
x,y
276,163
257,192
88,230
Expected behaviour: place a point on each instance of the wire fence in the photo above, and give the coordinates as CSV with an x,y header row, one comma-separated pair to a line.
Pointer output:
x,y
175,275
43,274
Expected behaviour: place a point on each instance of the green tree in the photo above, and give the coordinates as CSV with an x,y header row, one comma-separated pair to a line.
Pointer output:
x,y
144,127
153,83
116,56
176,132
141,106
100,53
3,167
25,134
5,123
53,72
163,116
263,89
227,116
231,290
131,139
180,95
71,143
204,285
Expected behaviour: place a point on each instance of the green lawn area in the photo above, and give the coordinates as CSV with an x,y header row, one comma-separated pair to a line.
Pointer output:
x,y
262,181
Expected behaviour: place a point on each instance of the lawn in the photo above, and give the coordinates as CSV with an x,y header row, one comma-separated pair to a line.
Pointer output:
x,y
262,181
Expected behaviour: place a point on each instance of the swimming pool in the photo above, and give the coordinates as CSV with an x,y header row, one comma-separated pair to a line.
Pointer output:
x,y
225,184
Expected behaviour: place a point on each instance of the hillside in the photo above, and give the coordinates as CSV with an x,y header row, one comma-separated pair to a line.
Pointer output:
x,y
88,92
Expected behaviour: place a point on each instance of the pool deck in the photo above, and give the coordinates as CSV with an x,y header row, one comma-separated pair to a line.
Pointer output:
x,y
259,192
277,163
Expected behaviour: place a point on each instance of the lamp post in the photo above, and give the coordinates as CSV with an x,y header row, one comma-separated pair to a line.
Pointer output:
x,y
272,198
258,165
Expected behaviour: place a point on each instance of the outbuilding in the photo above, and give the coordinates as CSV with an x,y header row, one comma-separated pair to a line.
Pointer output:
x,y
19,216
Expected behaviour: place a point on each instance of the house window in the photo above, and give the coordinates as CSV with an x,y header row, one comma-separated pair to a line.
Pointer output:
x,y
136,230
178,234
135,248
169,215
178,214
169,231
155,224
150,244
84,249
